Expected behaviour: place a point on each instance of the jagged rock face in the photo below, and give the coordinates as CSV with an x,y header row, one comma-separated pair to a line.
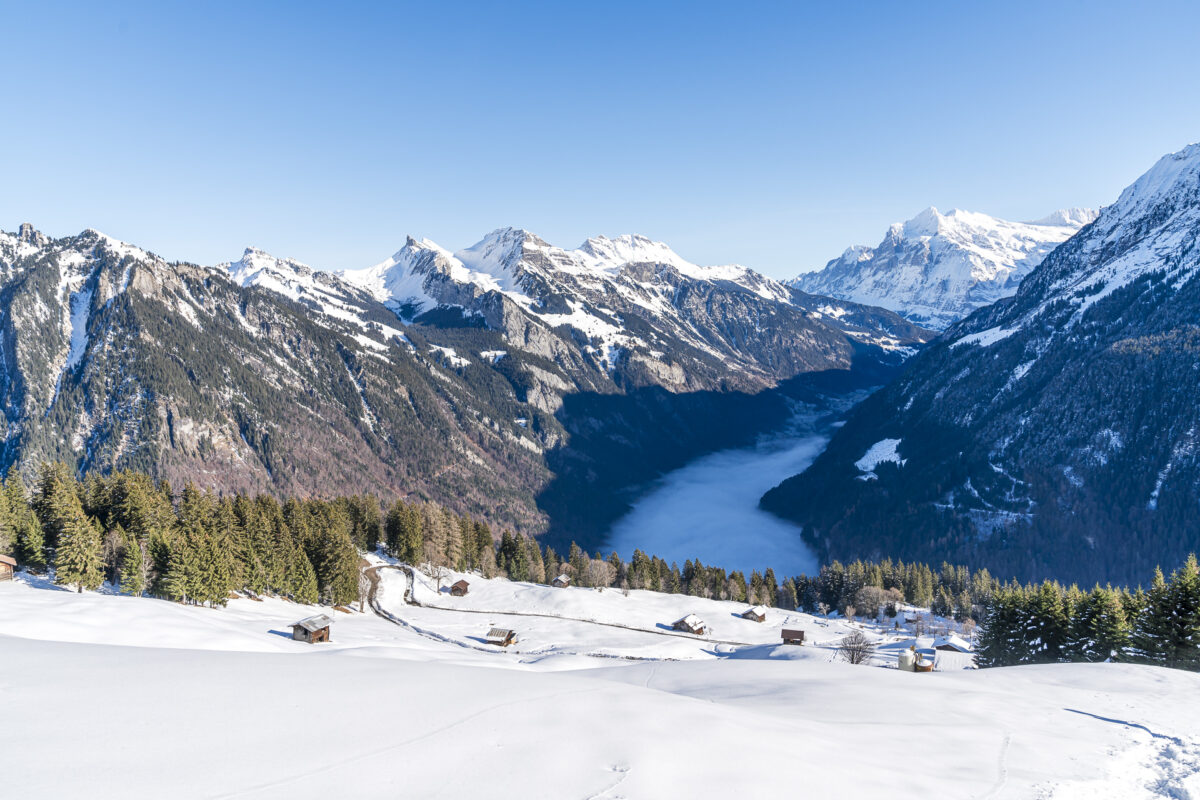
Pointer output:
x,y
265,375
937,268
1052,433
637,312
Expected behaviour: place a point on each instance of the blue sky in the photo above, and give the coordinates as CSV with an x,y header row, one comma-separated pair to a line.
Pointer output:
x,y
773,135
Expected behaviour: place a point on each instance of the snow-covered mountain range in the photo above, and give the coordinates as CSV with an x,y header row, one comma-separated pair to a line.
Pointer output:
x,y
1049,431
937,268
431,372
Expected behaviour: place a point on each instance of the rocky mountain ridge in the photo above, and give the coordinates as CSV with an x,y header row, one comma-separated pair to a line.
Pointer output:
x,y
1052,433
263,374
937,268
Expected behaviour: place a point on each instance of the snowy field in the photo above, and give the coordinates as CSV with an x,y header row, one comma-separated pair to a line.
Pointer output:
x,y
143,697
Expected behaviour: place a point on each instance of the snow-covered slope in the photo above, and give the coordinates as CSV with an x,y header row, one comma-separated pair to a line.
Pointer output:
x,y
1054,432
937,268
384,711
595,288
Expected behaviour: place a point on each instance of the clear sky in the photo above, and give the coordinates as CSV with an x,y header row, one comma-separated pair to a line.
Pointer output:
x,y
772,135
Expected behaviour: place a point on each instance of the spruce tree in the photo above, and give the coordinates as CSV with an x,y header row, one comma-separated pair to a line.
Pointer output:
x,y
29,541
1180,618
1099,630
1149,631
134,567
77,559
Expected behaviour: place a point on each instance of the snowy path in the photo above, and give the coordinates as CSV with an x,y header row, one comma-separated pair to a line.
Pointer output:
x,y
409,598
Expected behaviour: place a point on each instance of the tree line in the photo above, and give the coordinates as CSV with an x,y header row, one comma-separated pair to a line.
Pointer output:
x,y
1049,623
136,534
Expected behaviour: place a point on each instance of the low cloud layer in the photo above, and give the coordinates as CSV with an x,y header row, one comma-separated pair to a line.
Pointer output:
x,y
708,510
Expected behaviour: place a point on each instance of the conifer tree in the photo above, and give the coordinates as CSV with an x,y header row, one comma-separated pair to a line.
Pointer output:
x,y
29,541
1150,628
135,566
77,559
1180,618
1099,630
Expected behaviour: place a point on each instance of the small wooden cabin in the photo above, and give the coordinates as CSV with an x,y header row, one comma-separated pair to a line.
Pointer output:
x,y
561,582
7,567
690,624
791,636
312,630
501,637
755,614
459,588
952,644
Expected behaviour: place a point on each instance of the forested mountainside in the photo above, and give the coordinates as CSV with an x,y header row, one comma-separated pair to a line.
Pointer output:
x,y
1050,434
937,268
265,375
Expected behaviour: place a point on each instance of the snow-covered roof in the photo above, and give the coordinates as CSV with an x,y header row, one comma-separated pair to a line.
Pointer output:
x,y
564,578
314,624
758,611
498,634
957,642
691,620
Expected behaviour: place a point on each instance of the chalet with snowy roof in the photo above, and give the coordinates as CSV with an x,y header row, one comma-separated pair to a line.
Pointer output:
x,y
690,624
501,637
792,636
561,582
312,629
459,588
7,567
755,614
952,644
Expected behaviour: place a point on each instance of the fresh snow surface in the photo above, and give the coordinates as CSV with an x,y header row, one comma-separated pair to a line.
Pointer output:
x,y
81,307
151,698
985,338
878,453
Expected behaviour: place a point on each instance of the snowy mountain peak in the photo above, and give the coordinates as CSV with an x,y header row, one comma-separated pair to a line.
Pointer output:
x,y
937,268
1068,217
927,223
255,264
1173,177
630,249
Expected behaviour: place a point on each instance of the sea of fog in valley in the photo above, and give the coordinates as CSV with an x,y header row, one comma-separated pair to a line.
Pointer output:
x,y
708,509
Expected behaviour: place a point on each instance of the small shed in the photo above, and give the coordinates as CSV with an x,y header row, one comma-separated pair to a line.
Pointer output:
x,y
953,644
313,629
690,624
501,637
792,636
561,582
7,567
459,588
755,614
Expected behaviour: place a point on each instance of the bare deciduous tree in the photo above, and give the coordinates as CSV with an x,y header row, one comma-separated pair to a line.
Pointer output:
x,y
364,588
856,648
438,572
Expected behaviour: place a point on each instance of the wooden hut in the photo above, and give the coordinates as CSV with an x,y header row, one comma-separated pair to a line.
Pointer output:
x,y
7,567
952,644
792,636
561,582
501,637
313,629
755,614
459,588
690,624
